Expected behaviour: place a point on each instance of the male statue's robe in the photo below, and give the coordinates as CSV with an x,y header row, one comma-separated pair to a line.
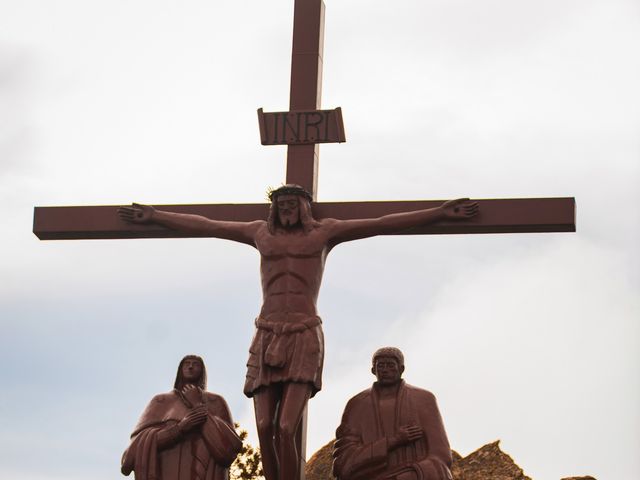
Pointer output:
x,y
361,449
203,453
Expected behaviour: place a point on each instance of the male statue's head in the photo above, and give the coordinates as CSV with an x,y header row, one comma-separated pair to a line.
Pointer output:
x,y
191,371
290,208
387,364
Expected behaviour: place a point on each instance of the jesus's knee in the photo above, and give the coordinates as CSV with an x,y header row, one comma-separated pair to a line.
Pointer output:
x,y
264,426
287,429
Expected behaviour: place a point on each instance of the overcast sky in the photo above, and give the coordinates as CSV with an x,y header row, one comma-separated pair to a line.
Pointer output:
x,y
533,339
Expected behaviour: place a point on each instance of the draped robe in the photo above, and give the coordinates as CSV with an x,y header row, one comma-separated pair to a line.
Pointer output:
x,y
361,450
203,453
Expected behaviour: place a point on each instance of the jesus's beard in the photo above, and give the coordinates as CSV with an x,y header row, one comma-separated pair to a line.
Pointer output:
x,y
288,221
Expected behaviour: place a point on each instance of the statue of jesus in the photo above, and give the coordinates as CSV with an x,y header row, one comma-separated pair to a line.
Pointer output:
x,y
286,355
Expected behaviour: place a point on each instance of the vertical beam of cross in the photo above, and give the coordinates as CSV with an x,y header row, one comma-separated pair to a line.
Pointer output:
x,y
305,94
306,87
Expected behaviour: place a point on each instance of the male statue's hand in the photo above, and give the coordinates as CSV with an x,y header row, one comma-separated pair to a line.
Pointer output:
x,y
193,394
459,209
406,434
195,417
136,213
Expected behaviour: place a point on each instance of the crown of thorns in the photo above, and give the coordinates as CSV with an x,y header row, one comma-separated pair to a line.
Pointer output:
x,y
288,189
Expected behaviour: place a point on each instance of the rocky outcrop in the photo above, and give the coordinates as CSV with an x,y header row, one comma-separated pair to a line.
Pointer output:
x,y
486,463
588,477
319,465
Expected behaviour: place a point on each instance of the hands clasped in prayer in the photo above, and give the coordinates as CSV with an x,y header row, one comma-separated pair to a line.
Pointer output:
x,y
198,413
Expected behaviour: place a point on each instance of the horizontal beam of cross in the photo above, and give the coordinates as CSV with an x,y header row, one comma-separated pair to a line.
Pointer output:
x,y
522,215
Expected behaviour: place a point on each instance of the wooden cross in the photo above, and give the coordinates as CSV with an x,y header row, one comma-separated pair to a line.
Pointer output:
x,y
496,216
302,129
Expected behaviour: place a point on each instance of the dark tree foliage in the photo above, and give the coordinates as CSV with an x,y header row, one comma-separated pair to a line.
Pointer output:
x,y
248,465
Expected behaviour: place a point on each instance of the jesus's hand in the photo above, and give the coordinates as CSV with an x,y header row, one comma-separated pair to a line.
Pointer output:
x,y
459,209
136,213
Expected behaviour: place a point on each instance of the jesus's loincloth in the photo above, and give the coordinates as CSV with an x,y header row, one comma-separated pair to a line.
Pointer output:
x,y
285,352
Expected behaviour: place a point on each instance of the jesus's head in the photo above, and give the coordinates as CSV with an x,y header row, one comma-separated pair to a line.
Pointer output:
x,y
290,208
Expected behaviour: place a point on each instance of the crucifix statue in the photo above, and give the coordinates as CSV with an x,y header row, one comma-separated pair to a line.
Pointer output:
x,y
293,235
287,352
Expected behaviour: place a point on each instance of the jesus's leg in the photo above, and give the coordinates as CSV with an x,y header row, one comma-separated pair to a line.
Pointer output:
x,y
294,400
265,404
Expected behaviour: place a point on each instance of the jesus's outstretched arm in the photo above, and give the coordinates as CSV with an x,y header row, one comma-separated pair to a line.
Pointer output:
x,y
347,230
243,232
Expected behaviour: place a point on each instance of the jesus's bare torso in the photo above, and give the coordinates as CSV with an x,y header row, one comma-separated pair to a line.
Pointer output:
x,y
291,267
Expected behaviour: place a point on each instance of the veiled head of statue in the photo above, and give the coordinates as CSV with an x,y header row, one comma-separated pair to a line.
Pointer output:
x,y
191,370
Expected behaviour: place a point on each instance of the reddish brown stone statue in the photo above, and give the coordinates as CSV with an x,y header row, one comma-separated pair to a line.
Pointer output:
x,y
391,431
186,434
286,355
